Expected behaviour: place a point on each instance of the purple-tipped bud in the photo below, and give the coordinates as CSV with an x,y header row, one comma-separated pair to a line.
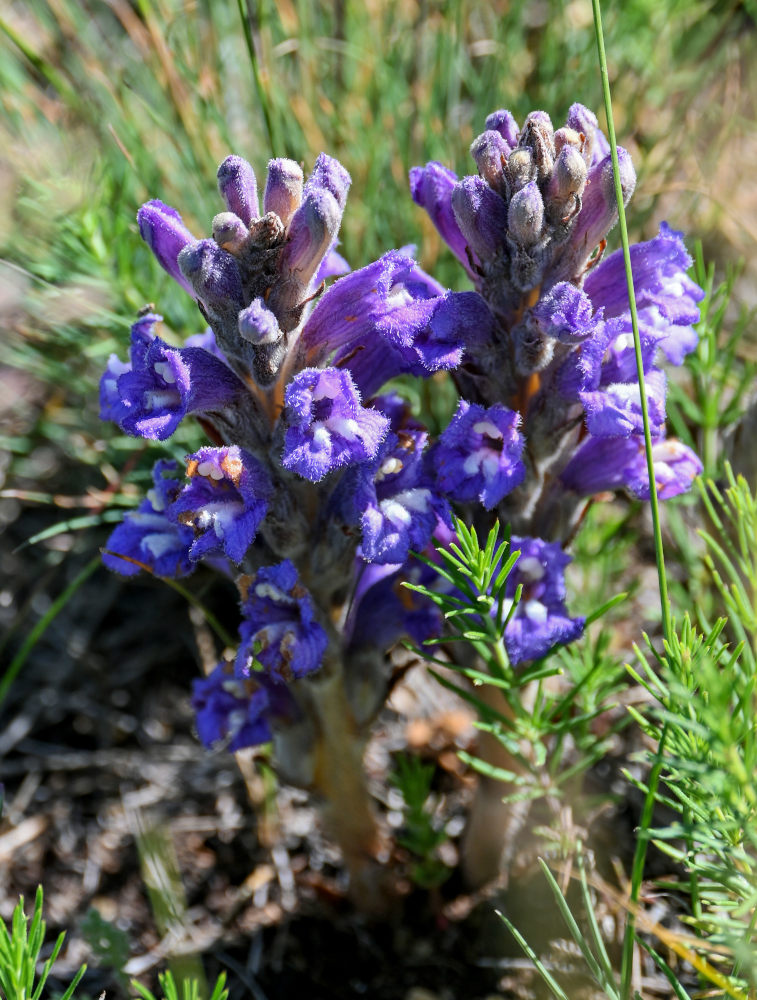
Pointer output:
x,y
431,188
520,168
229,232
490,151
540,118
568,137
504,123
311,232
569,175
525,218
213,274
258,325
538,136
566,185
239,189
161,228
329,173
581,119
600,211
283,189
481,215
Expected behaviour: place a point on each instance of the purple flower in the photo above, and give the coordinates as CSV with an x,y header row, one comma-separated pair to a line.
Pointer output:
x,y
478,455
604,464
328,426
333,265
149,536
278,627
566,313
150,396
615,410
667,299
225,501
393,497
541,620
389,318
383,611
231,710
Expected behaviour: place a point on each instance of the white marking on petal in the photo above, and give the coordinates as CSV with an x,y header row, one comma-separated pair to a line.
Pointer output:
x,y
536,611
164,370
488,428
530,568
346,427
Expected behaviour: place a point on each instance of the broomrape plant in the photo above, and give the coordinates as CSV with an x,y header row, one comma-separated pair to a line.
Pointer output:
x,y
316,485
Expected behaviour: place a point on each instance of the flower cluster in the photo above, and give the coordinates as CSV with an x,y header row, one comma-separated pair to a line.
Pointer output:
x,y
315,488
309,475
557,363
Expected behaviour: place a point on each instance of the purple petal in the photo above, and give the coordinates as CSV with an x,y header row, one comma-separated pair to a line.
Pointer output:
x,y
328,426
162,229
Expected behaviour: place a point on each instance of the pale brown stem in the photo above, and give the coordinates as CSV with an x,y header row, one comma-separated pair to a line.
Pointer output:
x,y
493,825
339,777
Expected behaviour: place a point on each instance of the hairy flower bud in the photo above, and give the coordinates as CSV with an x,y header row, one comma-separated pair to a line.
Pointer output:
x,y
582,120
312,230
229,232
330,175
238,187
520,169
490,151
161,228
283,189
566,185
525,217
504,123
259,327
481,215
213,274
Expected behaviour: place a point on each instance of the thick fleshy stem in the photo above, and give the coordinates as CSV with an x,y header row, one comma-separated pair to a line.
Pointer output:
x,y
339,777
493,824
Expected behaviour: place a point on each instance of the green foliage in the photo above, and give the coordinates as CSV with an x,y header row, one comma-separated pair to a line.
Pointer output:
x,y
702,411
705,722
189,990
589,940
21,946
420,836
109,944
544,724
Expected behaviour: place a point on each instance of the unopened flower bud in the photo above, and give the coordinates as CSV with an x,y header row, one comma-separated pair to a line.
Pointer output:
x,y
568,137
213,274
481,215
525,217
238,187
258,325
538,136
581,119
311,232
229,232
600,211
283,189
161,228
504,123
566,185
520,168
329,174
490,151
